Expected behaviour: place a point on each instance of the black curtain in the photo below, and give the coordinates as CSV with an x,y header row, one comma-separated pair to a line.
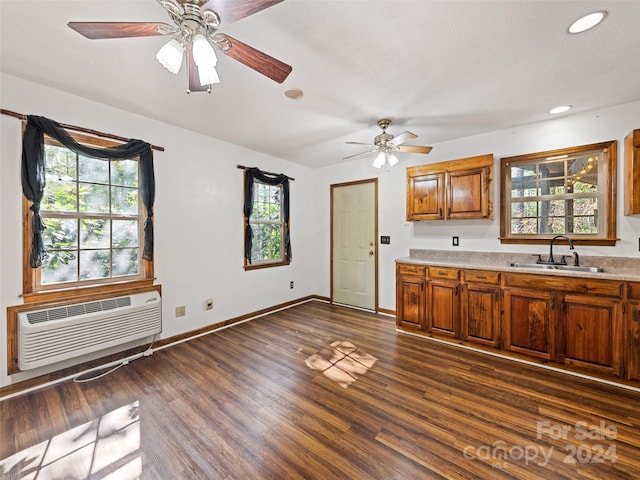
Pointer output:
x,y
270,179
34,182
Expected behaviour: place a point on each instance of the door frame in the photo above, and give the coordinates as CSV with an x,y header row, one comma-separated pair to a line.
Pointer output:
x,y
374,181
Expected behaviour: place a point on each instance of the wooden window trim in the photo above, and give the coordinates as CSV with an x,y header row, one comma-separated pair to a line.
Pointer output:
x,y
30,292
609,236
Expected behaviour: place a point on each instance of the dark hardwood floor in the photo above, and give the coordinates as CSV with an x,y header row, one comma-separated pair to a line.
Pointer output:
x,y
273,398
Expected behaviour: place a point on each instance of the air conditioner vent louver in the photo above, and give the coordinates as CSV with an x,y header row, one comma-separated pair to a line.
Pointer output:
x,y
79,309
51,335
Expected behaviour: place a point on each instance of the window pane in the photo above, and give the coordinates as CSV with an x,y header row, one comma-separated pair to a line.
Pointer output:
x,y
125,262
94,264
94,233
93,170
124,172
524,209
524,226
60,233
59,266
125,233
59,196
266,202
94,198
267,242
124,200
60,163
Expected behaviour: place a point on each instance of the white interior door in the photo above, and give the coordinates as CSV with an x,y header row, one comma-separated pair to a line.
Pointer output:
x,y
354,245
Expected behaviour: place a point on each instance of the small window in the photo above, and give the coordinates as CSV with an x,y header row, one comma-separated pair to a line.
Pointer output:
x,y
562,192
93,218
267,224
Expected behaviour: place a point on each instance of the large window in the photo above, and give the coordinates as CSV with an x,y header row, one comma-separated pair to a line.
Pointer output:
x,y
267,240
93,219
569,192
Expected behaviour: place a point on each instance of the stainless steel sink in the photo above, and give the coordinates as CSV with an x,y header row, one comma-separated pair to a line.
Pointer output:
x,y
570,268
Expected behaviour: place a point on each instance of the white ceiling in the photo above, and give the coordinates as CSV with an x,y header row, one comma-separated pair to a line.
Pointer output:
x,y
440,69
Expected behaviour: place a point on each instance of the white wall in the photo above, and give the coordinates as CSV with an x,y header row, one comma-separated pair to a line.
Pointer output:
x,y
198,199
612,123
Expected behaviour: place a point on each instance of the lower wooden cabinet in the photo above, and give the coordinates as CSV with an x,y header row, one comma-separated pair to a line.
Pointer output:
x,y
411,296
591,324
443,309
528,323
480,314
633,329
591,332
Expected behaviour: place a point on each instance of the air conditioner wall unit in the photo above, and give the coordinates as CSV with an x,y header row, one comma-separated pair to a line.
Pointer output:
x,y
51,335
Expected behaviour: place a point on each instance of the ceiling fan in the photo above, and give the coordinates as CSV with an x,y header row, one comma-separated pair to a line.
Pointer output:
x,y
196,32
386,144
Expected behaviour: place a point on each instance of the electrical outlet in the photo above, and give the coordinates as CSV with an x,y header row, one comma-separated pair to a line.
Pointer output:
x,y
291,284
181,311
456,241
385,240
208,304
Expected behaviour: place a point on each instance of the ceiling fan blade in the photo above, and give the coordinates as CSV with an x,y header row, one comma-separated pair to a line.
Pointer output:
x,y
360,143
252,58
231,11
192,73
98,30
414,149
403,138
361,153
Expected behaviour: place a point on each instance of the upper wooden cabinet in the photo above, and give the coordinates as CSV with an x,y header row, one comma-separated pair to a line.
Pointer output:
x,y
457,189
632,173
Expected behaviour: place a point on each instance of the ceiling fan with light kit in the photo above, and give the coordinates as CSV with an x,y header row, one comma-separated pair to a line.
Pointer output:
x,y
196,33
386,144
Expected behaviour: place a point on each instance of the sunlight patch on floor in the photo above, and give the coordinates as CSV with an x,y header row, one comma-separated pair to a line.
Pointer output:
x,y
342,362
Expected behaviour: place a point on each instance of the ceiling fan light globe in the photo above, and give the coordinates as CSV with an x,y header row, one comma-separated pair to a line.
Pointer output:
x,y
170,56
379,161
203,53
208,75
392,159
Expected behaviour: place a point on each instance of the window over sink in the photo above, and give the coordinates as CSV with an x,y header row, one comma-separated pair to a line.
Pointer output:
x,y
569,191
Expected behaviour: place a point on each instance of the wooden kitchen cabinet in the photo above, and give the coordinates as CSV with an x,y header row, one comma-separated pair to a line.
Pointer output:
x,y
480,307
632,173
443,302
632,330
411,296
529,324
457,189
591,333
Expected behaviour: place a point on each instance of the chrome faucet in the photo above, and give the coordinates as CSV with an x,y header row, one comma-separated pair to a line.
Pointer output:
x,y
551,260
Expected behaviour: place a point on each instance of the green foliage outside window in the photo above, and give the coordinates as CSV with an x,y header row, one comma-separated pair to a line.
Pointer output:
x,y
267,223
91,215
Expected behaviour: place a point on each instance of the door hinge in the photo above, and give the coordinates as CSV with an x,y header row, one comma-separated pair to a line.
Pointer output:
x,y
624,308
563,307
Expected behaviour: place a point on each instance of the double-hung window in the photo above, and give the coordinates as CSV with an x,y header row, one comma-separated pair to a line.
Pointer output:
x,y
266,214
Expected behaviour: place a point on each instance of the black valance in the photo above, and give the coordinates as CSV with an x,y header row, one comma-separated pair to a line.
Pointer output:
x,y
270,179
34,182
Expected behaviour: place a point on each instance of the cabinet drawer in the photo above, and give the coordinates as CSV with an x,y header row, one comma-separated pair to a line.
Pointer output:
x,y
634,290
410,269
443,272
565,284
481,276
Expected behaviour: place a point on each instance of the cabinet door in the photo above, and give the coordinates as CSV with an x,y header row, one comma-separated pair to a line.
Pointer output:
x,y
591,328
467,193
411,302
443,308
425,197
632,173
633,346
480,312
529,323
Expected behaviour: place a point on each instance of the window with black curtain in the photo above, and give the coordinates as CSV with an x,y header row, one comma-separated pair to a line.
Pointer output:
x,y
91,208
267,238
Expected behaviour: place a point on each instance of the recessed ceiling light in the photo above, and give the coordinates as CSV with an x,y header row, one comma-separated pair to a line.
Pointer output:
x,y
588,21
294,93
560,109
